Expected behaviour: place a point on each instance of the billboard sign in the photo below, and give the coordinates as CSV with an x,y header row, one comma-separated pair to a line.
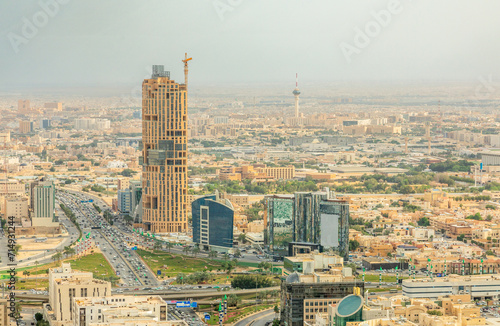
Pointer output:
x,y
183,304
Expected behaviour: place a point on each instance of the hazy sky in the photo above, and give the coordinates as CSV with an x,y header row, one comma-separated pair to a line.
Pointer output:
x,y
114,42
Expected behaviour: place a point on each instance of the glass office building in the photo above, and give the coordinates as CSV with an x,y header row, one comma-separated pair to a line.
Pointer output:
x,y
213,223
307,217
279,231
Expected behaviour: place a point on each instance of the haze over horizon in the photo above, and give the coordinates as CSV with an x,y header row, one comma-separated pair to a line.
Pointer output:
x,y
113,44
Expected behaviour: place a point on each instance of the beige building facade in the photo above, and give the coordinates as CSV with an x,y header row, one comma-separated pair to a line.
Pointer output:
x,y
66,284
164,153
4,312
16,206
121,310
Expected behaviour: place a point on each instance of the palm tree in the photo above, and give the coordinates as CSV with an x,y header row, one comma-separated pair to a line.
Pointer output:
x,y
170,245
226,256
242,238
68,251
212,254
26,273
186,250
57,257
196,251
16,249
264,266
157,245
36,278
229,266
276,311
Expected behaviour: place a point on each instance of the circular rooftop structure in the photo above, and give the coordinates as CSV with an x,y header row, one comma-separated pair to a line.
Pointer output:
x,y
349,305
293,278
296,91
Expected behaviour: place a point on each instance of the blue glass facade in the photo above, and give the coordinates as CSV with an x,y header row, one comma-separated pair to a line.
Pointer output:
x,y
212,222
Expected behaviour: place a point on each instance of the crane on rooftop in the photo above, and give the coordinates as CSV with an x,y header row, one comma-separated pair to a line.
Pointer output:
x,y
186,59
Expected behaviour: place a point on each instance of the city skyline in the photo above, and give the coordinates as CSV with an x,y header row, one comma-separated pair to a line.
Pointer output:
x,y
368,194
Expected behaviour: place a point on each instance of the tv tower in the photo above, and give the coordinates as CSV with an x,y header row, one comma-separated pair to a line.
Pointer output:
x,y
296,93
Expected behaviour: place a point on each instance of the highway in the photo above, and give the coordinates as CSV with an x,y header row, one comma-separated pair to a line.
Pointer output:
x,y
168,294
259,319
112,244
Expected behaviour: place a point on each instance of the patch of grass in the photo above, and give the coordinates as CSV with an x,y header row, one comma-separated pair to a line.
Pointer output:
x,y
375,278
173,264
247,264
32,283
235,314
95,263
34,270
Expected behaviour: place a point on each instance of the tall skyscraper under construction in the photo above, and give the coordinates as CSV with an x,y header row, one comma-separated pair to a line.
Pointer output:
x,y
164,153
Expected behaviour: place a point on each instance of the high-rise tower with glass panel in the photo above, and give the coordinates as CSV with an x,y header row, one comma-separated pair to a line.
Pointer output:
x,y
164,153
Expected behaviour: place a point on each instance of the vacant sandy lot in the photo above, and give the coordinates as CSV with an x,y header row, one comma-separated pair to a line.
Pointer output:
x,y
30,244
31,248
25,254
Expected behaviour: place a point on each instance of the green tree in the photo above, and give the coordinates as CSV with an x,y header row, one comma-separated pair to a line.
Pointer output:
x,y
196,251
233,300
423,221
38,316
212,254
264,265
57,257
353,245
435,312
68,251
250,282
128,173
16,249
157,245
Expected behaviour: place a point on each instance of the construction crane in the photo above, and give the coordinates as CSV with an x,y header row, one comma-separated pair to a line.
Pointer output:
x,y
186,59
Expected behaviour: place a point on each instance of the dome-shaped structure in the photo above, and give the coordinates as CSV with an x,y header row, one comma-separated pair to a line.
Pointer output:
x,y
293,278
